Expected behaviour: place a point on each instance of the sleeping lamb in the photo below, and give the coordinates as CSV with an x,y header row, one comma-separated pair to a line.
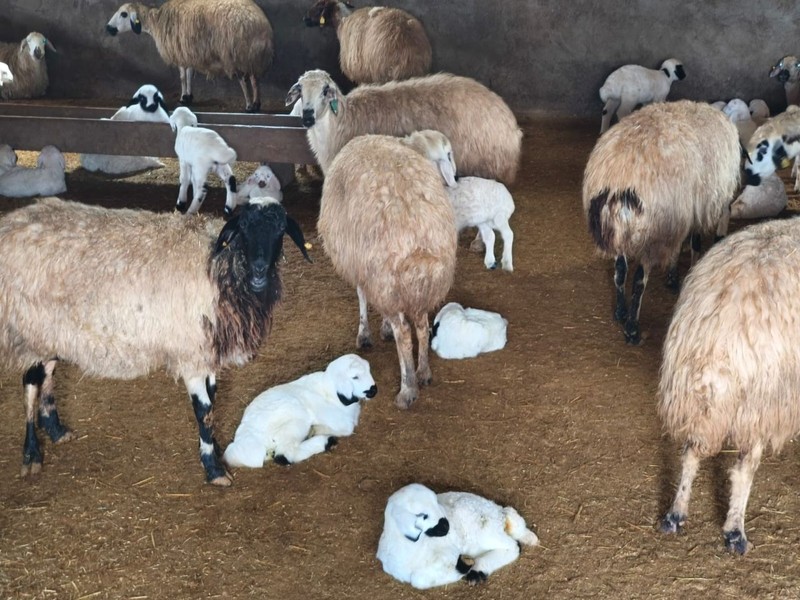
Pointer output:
x,y
46,179
460,332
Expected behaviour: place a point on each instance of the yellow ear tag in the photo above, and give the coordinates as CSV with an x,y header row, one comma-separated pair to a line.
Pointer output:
x,y
136,22
321,21
785,163
308,246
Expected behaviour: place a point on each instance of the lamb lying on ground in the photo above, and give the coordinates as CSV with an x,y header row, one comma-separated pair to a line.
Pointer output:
x,y
460,332
293,421
765,200
261,184
8,158
425,536
45,180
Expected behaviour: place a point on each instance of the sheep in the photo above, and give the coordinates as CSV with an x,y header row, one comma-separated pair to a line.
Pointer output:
x,y
730,375
200,150
719,104
122,292
294,421
147,104
8,158
46,179
787,71
631,85
773,145
482,129
664,172
6,76
460,332
261,184
26,60
389,229
759,201
231,38
376,43
739,114
425,535
759,111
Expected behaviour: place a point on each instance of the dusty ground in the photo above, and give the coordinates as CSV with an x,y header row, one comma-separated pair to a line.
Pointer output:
x,y
560,424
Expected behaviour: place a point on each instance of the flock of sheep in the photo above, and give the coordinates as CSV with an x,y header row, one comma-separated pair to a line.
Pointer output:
x,y
193,294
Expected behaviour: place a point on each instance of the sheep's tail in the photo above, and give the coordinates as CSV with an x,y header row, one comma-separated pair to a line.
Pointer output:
x,y
607,212
515,527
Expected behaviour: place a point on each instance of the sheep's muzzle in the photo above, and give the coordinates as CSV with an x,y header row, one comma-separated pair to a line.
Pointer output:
x,y
308,117
440,529
111,30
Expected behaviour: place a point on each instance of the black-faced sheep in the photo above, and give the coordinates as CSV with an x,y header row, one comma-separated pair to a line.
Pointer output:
x,y
123,292
787,71
389,230
46,179
730,374
426,534
26,61
293,421
631,85
376,43
662,173
481,127
230,38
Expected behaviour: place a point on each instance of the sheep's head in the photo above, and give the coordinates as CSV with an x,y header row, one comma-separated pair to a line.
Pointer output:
x,y
673,69
759,110
35,45
415,510
318,93
149,99
786,69
353,379
736,110
51,158
125,19
256,236
327,12
435,146
5,74
182,117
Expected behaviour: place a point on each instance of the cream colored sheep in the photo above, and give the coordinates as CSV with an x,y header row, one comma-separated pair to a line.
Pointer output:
x,y
787,71
230,38
730,376
389,230
483,130
376,43
26,61
664,172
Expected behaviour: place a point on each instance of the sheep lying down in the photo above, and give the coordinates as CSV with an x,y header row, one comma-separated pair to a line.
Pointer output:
x,y
44,180
427,535
291,422
460,332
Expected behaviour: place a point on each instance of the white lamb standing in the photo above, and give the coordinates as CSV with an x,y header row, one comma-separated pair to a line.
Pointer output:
x,y
5,74
46,179
426,534
631,85
739,114
8,158
263,183
460,332
200,151
291,422
765,200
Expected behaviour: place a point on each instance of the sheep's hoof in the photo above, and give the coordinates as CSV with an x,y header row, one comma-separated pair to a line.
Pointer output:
x,y
221,481
181,206
67,436
508,267
187,99
671,523
736,542
405,398
491,266
332,441
387,333
31,469
363,341
253,108
474,577
280,459
632,335
424,377
621,314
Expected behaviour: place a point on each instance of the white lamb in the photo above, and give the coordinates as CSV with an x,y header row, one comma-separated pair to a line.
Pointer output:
x,y
425,536
293,421
5,74
765,200
200,151
460,332
147,104
46,179
261,184
631,85
759,111
719,104
8,158
739,114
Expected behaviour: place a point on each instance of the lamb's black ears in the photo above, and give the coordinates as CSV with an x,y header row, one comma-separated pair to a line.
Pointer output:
x,y
161,103
744,153
293,229
134,100
229,231
294,93
136,25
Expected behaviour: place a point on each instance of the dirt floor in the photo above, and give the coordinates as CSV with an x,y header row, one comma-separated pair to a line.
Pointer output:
x,y
561,424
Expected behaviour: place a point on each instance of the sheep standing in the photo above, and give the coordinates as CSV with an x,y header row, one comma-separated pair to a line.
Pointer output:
x,y
425,535
46,179
291,422
262,183
481,127
231,38
787,71
389,230
26,60
631,85
664,172
122,292
460,332
200,150
730,374
376,43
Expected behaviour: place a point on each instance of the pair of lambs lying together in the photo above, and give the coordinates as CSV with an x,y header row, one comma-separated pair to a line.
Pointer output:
x,y
20,182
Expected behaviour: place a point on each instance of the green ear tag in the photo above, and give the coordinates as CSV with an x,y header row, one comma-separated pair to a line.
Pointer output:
x,y
335,106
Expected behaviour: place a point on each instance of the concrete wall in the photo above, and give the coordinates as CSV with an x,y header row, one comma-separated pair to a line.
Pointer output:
x,y
540,55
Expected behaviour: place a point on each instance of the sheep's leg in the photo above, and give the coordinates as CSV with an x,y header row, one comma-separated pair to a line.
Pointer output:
x,y
202,391
186,85
305,449
611,106
31,453
504,228
672,282
364,337
487,234
48,415
620,273
256,94
477,244
625,108
199,190
183,190
488,563
673,521
741,483
405,352
424,375
248,103
632,335
387,334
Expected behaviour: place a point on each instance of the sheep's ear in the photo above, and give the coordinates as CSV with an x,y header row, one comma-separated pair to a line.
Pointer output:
x,y
332,94
134,100
161,103
229,231
136,24
294,93
49,46
294,231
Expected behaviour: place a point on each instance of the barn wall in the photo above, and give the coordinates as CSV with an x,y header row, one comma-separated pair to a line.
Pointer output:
x,y
540,55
